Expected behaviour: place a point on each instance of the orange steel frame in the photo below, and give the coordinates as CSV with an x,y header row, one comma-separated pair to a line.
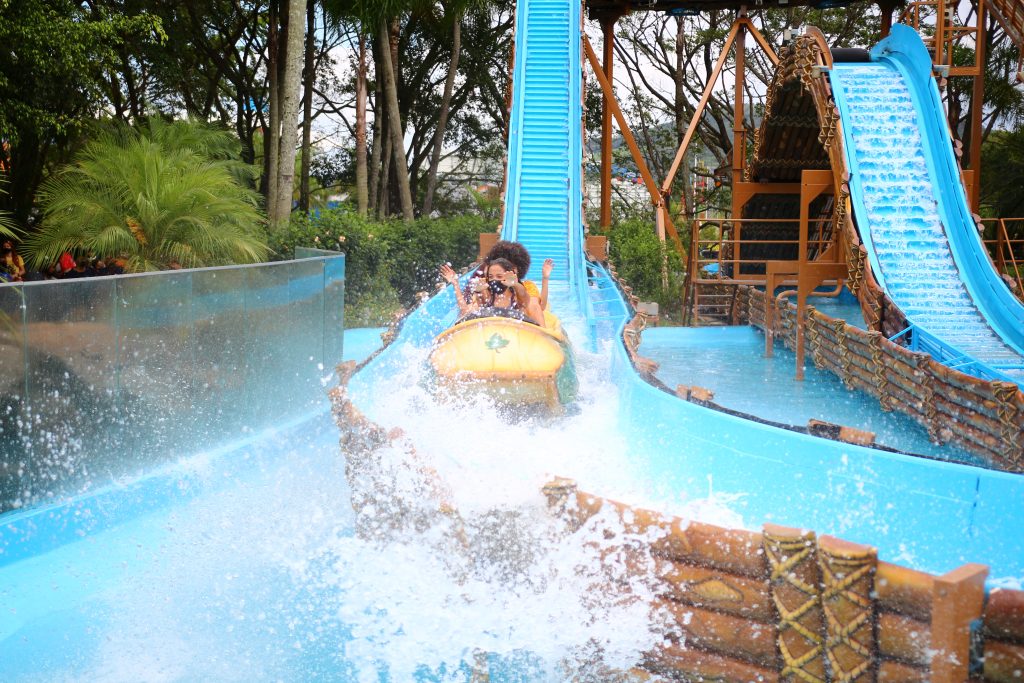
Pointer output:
x,y
657,199
916,13
1007,254
946,37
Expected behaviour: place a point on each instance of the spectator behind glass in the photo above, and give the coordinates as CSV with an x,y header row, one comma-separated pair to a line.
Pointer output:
x,y
12,266
80,270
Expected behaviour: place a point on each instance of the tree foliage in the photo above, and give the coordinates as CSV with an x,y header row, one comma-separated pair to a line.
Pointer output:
x,y
387,263
152,198
52,65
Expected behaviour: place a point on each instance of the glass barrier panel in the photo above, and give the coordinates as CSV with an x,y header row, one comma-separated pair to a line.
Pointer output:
x,y
304,365
70,406
107,377
334,312
267,301
13,389
222,340
156,357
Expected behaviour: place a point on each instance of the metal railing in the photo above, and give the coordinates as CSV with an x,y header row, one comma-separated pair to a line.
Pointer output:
x,y
919,339
1007,252
728,256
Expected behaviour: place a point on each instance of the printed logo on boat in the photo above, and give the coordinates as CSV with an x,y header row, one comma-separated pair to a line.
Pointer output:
x,y
496,343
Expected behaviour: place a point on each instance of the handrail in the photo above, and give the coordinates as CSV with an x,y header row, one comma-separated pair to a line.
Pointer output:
x,y
1007,254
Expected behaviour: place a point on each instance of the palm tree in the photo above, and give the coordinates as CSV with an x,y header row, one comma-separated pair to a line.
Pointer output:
x,y
7,226
154,197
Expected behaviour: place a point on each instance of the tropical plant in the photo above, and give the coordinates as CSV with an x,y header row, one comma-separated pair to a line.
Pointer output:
x,y
7,225
387,263
151,197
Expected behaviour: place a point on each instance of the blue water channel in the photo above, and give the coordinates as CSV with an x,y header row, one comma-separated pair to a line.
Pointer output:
x,y
730,361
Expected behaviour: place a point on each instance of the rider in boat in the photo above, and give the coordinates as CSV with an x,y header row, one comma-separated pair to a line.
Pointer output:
x,y
520,258
499,291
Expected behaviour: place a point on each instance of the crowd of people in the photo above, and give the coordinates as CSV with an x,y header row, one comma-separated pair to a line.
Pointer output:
x,y
12,267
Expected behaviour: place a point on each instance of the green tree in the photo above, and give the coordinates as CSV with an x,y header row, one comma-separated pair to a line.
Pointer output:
x,y
1002,164
151,197
52,67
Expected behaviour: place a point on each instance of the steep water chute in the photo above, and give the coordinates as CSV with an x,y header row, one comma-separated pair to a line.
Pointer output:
x,y
913,214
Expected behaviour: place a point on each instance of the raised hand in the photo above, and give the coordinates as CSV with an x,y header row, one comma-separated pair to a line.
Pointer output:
x,y
449,275
549,265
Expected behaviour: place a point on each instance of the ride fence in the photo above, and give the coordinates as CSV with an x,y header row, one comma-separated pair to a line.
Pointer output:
x,y
107,377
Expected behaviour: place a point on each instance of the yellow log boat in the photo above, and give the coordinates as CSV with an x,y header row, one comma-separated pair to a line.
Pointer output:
x,y
513,362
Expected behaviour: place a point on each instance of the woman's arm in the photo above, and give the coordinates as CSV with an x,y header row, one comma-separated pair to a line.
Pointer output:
x,y
549,265
452,278
524,302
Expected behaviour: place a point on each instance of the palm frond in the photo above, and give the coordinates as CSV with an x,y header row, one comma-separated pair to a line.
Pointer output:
x,y
167,193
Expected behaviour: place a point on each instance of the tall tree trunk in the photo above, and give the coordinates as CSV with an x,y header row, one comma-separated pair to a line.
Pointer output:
x,y
272,136
395,124
442,117
383,189
309,79
290,84
362,192
685,198
378,129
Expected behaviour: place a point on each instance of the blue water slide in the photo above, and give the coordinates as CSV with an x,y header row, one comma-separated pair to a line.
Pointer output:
x,y
544,194
913,215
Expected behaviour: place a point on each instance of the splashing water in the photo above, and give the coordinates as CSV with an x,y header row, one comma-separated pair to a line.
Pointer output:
x,y
265,577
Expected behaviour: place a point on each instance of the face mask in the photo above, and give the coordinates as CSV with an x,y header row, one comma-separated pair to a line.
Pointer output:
x,y
496,287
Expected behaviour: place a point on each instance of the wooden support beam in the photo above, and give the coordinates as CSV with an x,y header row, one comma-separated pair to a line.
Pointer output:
x,y
608,29
957,600
977,102
763,42
627,135
691,127
739,129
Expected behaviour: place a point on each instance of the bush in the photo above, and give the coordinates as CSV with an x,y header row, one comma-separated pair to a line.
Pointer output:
x,y
387,263
638,256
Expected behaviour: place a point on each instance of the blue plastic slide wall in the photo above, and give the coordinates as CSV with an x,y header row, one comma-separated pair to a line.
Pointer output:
x,y
913,215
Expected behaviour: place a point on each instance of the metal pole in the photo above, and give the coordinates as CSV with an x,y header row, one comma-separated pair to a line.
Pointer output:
x,y
977,107
739,131
608,29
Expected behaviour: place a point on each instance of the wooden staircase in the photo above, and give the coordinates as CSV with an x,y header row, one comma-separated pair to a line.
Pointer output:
x,y
713,303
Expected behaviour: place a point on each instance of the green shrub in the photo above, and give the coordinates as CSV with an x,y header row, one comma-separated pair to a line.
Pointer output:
x,y
386,263
639,257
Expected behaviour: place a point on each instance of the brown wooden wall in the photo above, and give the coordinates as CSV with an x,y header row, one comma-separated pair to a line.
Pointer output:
x,y
784,604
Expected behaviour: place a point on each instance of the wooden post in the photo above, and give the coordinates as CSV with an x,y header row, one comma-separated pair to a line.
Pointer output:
x,y
739,129
608,28
957,600
812,185
977,105
940,31
796,591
